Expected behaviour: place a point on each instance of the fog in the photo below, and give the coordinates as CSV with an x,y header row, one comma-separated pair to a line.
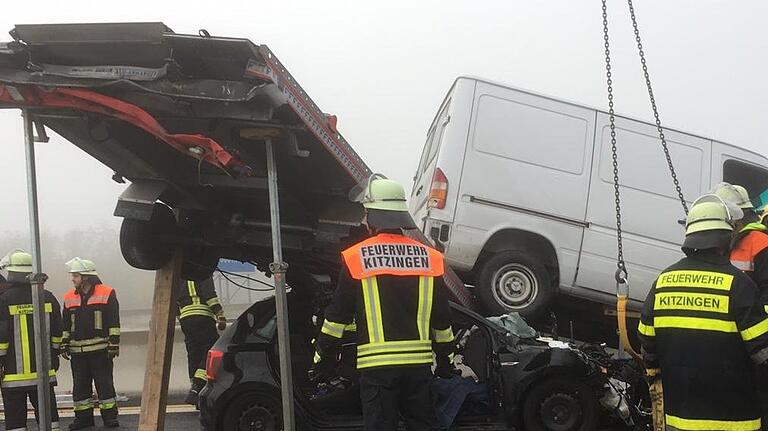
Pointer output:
x,y
384,67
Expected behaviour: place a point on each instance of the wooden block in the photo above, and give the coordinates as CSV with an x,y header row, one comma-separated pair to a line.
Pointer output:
x,y
154,397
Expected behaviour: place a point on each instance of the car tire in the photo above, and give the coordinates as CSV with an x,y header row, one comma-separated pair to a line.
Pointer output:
x,y
199,263
140,241
561,404
514,281
253,411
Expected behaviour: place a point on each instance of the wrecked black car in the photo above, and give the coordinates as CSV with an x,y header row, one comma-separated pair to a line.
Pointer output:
x,y
508,381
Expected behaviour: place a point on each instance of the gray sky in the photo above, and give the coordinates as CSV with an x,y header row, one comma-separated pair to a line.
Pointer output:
x,y
384,68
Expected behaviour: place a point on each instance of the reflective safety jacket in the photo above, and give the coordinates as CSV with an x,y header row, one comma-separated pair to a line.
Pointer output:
x,y
91,321
17,336
750,254
392,288
703,327
198,299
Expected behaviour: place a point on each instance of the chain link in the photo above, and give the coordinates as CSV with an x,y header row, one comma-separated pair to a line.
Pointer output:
x,y
653,102
621,271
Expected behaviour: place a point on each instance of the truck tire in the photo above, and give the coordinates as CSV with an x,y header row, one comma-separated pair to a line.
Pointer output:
x,y
514,281
199,263
140,241
560,404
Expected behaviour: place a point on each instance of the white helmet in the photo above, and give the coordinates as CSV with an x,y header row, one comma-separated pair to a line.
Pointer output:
x,y
81,266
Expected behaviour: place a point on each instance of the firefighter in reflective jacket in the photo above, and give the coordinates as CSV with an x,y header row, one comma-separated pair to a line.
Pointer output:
x,y
392,288
17,346
92,339
749,247
703,329
199,315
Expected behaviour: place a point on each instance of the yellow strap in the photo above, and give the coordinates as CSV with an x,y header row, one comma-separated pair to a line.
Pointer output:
x,y
621,316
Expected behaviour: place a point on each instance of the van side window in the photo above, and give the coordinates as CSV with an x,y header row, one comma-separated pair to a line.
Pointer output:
x,y
751,177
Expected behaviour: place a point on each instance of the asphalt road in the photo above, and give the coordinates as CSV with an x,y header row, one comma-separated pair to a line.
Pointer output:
x,y
181,420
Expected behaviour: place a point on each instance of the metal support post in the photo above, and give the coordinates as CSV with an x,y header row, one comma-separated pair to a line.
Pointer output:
x,y
37,278
278,268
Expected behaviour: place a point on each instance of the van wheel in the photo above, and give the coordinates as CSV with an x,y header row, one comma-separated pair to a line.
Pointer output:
x,y
560,404
140,241
513,281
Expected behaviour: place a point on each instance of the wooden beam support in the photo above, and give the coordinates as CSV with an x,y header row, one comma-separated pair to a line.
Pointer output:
x,y
154,397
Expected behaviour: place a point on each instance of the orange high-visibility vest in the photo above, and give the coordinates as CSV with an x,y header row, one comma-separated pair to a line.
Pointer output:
x,y
743,255
100,295
391,254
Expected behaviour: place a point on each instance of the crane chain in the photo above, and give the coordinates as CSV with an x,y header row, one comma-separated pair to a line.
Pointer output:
x,y
660,129
621,270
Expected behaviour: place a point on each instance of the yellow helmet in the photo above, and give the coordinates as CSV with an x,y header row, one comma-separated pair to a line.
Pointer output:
x,y
385,202
81,266
710,222
17,261
733,193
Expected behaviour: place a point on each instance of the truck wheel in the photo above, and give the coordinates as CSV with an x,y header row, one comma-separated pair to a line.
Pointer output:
x,y
560,404
199,263
513,281
140,241
253,411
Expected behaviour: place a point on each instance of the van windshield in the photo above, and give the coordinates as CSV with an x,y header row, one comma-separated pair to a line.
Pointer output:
x,y
751,177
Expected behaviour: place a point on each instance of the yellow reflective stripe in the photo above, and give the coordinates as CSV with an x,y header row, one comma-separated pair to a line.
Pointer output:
x,y
755,331
701,279
56,339
333,329
444,335
316,359
691,301
27,309
352,327
4,346
213,301
426,286
648,331
196,310
26,355
395,359
394,346
25,376
97,323
200,374
709,424
373,310
193,292
744,265
89,341
694,323
114,331
65,334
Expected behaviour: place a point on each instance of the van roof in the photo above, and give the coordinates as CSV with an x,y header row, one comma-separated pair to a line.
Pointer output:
x,y
534,93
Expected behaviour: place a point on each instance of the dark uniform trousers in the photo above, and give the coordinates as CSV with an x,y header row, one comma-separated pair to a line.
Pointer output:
x,y
16,418
391,389
199,336
93,367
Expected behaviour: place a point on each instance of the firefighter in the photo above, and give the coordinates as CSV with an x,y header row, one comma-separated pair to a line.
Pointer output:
x,y
200,314
703,329
749,247
392,288
17,347
92,339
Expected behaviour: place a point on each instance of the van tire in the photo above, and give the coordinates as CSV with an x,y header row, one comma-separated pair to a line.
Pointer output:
x,y
140,241
513,281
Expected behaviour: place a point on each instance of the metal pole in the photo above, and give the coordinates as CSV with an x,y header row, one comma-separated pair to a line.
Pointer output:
x,y
278,268
40,322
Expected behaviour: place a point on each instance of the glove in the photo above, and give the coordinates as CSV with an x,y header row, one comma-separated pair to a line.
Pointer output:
x,y
113,351
64,349
445,369
221,322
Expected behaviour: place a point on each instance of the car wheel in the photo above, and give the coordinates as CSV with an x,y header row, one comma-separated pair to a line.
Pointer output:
x,y
560,404
513,281
253,411
199,263
140,241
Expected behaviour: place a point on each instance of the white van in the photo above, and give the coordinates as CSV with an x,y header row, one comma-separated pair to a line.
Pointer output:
x,y
517,189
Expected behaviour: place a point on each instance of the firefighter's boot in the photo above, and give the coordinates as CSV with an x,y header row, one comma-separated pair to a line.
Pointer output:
x,y
83,420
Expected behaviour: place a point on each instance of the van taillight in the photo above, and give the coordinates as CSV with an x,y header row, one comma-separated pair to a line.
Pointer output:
x,y
438,192
213,364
